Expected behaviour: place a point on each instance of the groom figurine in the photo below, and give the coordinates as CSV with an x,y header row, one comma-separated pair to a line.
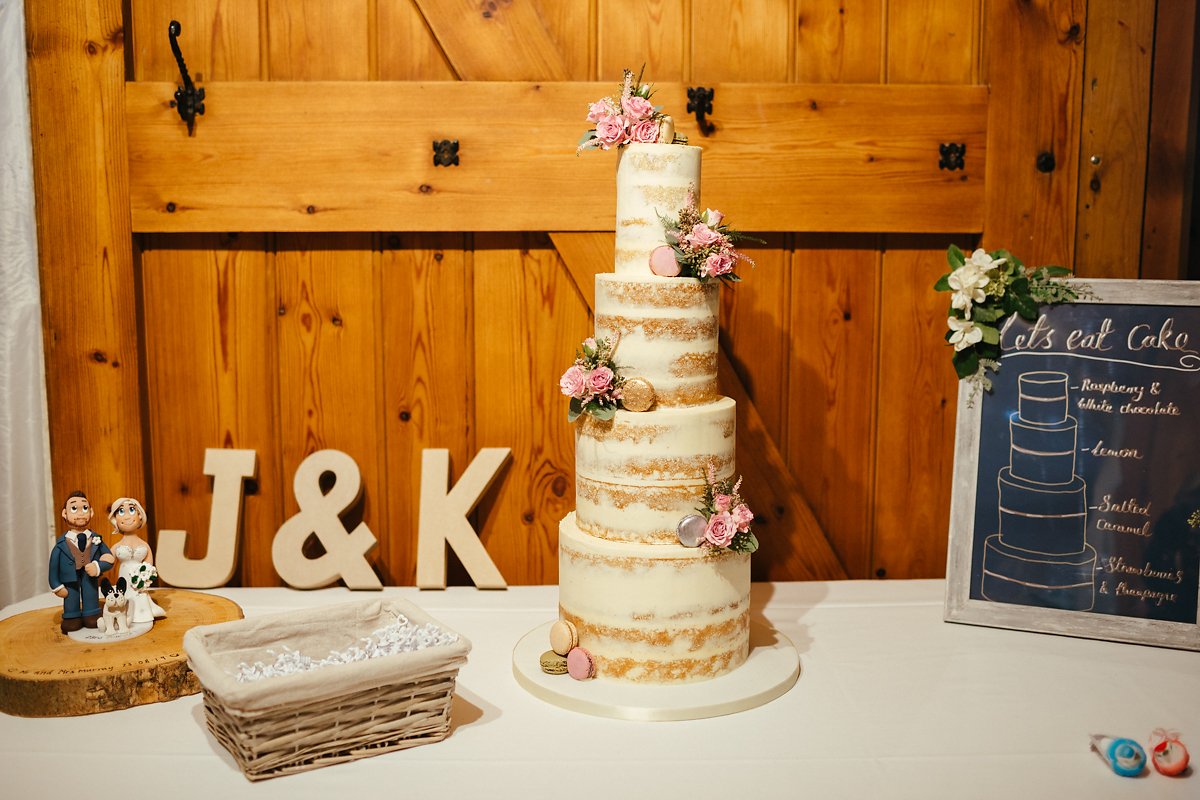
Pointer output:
x,y
76,562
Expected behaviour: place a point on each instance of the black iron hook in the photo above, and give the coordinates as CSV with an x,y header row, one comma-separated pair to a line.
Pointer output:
x,y
700,103
189,101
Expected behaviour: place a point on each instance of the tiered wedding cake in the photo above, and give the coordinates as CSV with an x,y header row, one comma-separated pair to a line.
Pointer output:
x,y
647,608
1041,556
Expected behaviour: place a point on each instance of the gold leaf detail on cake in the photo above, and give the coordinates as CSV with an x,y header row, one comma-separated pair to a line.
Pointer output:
x,y
694,364
697,636
665,468
691,559
631,222
664,197
658,498
613,431
683,330
680,670
688,396
682,294
623,254
628,537
651,162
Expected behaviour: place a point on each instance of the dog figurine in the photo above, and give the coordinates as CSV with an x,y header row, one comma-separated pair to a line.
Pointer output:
x,y
115,617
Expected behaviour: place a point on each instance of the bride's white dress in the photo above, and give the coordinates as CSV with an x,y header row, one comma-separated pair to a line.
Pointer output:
x,y
144,609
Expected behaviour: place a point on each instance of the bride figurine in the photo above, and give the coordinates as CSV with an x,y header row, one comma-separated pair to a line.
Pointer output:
x,y
135,557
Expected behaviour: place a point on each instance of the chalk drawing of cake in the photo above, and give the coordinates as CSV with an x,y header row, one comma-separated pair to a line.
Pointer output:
x,y
1041,556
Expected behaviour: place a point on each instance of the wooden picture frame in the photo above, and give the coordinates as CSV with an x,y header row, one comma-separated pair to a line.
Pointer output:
x,y
1119,475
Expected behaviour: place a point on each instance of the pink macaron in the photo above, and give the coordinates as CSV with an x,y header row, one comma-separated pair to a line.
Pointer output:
x,y
580,665
662,262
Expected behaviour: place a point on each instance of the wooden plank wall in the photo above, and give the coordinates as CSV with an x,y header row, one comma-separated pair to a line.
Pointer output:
x,y
381,344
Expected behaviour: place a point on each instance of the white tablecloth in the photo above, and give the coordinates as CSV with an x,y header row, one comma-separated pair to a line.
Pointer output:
x,y
892,702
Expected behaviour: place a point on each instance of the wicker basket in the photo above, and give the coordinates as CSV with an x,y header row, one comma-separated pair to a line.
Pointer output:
x,y
292,723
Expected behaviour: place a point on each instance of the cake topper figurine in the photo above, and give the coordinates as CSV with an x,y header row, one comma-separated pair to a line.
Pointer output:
x,y
116,607
137,559
78,558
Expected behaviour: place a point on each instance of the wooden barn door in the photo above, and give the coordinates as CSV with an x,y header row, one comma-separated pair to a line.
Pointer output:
x,y
325,330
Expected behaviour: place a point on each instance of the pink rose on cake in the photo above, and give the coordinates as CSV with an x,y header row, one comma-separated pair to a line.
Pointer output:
x,y
630,111
742,517
573,381
637,107
602,108
599,380
720,530
644,132
726,515
594,381
703,245
610,131
702,236
718,264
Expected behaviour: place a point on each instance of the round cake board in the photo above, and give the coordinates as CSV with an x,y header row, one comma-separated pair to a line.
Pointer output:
x,y
769,672
46,674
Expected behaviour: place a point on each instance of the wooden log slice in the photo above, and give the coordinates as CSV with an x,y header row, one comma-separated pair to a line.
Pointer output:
x,y
46,674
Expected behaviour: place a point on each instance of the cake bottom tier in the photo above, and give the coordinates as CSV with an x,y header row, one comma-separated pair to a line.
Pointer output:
x,y
657,613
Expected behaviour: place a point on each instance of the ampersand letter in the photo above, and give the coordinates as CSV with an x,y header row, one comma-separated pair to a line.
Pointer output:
x,y
345,552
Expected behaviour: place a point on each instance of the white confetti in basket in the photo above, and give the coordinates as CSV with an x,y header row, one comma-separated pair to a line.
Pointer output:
x,y
336,712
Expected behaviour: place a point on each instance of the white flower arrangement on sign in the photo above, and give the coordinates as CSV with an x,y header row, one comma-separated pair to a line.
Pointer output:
x,y
988,288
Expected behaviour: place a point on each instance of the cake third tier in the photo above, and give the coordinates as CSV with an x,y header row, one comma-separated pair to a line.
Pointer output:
x,y
667,332
637,475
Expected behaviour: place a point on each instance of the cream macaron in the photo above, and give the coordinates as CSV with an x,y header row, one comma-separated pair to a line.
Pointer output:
x,y
563,636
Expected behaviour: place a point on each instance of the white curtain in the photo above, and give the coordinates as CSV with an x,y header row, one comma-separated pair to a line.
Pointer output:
x,y
26,522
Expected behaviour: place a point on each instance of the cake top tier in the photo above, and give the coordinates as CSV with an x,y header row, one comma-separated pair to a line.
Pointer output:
x,y
653,182
1042,397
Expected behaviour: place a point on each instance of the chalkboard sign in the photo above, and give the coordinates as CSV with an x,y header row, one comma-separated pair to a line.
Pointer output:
x,y
1076,506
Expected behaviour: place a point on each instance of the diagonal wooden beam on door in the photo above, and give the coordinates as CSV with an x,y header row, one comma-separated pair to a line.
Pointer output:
x,y
793,544
494,41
